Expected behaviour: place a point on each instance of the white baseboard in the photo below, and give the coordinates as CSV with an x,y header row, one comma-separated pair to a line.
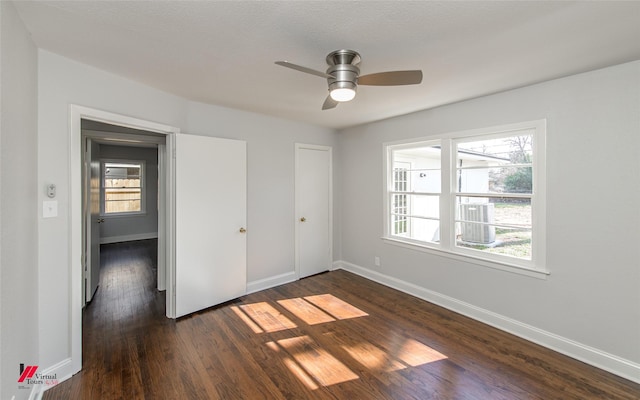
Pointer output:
x,y
267,283
62,371
595,357
128,238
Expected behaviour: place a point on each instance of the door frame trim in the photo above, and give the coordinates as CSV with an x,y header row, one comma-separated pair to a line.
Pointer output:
x,y
75,217
87,250
329,149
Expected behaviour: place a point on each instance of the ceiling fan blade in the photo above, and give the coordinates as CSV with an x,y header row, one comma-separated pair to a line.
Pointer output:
x,y
329,103
303,69
392,78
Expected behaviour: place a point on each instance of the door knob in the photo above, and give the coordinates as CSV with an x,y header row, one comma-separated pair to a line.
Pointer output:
x,y
100,220
242,230
303,219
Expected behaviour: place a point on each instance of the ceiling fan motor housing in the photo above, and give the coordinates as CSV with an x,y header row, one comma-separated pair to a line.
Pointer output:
x,y
344,76
343,57
343,69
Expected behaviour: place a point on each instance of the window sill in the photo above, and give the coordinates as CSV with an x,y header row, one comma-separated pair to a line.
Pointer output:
x,y
502,266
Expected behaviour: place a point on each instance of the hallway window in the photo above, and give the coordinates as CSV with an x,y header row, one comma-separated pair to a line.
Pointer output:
x,y
122,187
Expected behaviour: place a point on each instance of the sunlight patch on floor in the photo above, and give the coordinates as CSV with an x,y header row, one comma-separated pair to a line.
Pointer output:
x,y
335,307
325,369
373,357
263,317
415,353
245,318
300,373
267,317
306,311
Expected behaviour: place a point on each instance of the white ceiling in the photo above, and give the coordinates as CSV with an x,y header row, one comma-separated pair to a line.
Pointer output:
x,y
223,52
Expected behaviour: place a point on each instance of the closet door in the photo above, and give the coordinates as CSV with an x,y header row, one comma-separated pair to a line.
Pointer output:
x,y
313,209
210,221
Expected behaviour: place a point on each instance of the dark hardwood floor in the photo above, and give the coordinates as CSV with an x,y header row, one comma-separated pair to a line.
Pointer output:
x,y
330,336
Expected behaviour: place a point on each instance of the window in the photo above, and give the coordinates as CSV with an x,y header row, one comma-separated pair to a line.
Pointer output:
x,y
493,194
416,192
122,187
472,194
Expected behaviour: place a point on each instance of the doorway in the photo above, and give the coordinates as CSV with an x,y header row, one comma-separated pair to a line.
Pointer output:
x,y
120,193
76,114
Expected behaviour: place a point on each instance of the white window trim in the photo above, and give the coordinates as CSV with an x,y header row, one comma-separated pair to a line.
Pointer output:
x,y
143,189
536,267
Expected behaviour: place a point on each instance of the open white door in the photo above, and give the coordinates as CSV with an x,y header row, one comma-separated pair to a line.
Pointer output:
x,y
210,221
93,219
313,209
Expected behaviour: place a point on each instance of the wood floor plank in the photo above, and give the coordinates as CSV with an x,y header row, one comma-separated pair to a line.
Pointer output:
x,y
329,336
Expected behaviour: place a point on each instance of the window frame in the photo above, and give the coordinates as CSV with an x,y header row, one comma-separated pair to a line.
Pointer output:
x,y
536,266
103,199
410,192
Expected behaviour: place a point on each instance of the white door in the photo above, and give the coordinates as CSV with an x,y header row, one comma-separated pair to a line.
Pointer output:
x,y
92,219
210,221
313,209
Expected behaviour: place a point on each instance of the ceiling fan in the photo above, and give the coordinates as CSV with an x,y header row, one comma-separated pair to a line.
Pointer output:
x,y
343,76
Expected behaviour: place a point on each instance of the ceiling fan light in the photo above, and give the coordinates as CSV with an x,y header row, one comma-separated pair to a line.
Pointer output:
x,y
342,94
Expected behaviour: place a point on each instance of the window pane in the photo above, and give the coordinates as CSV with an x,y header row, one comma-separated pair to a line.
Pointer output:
x,y
122,171
494,225
424,206
495,165
418,168
506,241
497,211
119,206
122,194
495,180
409,213
122,183
425,230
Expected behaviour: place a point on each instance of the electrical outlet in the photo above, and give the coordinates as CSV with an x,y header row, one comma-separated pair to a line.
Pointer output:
x,y
376,261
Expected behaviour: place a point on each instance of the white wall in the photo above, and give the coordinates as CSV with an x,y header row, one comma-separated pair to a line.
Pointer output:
x,y
592,296
270,175
120,227
18,207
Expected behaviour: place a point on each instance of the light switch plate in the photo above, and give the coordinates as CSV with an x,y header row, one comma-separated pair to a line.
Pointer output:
x,y
49,209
